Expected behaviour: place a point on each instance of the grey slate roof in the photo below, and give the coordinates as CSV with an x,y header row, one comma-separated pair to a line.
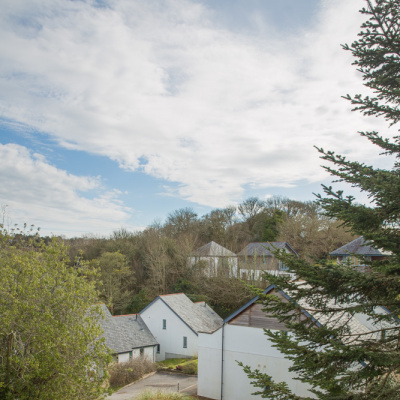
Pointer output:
x,y
212,249
357,246
126,332
265,248
198,316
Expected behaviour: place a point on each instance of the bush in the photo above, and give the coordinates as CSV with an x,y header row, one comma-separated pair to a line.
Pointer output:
x,y
189,368
122,374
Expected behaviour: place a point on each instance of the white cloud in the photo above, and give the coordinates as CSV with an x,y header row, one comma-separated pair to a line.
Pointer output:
x,y
208,109
29,186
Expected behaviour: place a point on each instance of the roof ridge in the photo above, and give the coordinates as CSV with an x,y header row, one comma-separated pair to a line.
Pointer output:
x,y
169,294
124,315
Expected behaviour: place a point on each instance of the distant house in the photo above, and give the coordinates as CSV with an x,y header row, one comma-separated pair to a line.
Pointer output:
x,y
242,338
258,257
175,321
358,252
214,260
128,336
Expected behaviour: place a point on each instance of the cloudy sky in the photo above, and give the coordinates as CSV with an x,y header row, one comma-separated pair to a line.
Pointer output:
x,y
114,113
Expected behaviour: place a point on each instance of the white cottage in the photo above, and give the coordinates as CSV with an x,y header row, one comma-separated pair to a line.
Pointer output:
x,y
128,336
242,338
215,260
175,321
258,257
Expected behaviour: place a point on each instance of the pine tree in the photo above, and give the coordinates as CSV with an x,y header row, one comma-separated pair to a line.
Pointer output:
x,y
337,363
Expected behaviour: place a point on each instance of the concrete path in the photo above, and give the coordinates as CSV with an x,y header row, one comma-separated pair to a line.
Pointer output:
x,y
164,381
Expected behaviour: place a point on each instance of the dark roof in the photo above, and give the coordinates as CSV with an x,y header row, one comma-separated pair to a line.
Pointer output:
x,y
357,246
126,332
213,249
248,304
265,248
197,316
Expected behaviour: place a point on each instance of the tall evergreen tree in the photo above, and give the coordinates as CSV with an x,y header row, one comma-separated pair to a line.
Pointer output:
x,y
333,359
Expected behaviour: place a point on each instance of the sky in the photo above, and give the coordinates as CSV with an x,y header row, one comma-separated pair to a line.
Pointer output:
x,y
114,113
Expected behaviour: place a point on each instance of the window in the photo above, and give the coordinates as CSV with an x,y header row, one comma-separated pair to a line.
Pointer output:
x,y
158,349
184,342
142,352
130,355
282,266
164,324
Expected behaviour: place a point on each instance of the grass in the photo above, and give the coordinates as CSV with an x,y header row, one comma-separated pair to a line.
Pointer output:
x,y
150,395
172,362
185,365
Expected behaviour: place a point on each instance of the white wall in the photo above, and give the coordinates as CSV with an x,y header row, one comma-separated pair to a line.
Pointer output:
x,y
170,339
258,274
149,353
123,357
250,346
214,263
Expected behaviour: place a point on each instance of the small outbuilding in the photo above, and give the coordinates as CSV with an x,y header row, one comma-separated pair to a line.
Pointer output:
x,y
214,260
128,336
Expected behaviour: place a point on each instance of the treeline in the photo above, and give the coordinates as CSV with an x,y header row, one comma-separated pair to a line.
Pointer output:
x,y
135,267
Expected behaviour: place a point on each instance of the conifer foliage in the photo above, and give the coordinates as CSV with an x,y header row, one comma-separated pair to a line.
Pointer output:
x,y
336,360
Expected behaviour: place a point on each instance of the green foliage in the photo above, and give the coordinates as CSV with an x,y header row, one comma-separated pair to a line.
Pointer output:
x,y
49,331
271,227
190,367
335,360
139,301
172,363
185,365
155,261
117,280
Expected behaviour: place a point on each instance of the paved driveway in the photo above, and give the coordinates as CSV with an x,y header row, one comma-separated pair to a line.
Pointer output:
x,y
164,381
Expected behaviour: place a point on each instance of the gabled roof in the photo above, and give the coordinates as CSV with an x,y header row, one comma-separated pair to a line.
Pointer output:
x,y
248,304
355,322
126,332
265,248
197,316
212,249
357,246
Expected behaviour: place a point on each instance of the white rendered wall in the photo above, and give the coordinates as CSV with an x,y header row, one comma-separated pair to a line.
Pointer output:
x,y
123,357
170,339
258,274
149,353
250,346
213,263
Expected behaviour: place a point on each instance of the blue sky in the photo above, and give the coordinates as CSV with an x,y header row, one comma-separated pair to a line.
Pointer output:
x,y
114,113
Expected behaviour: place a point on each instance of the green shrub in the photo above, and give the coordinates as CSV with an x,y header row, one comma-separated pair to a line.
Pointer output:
x,y
122,374
190,367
